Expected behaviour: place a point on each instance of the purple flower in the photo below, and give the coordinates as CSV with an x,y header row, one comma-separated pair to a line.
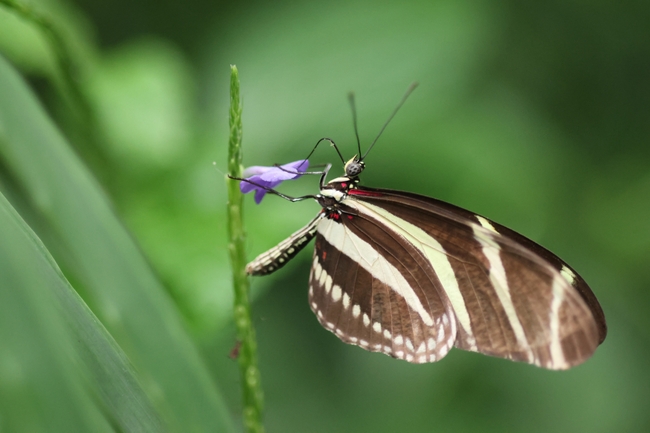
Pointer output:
x,y
270,177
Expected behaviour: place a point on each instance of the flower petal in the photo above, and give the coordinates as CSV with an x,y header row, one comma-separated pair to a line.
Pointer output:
x,y
259,195
246,187
264,178
253,170
293,170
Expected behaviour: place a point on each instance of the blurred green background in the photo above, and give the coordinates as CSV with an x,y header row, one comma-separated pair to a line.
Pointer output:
x,y
535,114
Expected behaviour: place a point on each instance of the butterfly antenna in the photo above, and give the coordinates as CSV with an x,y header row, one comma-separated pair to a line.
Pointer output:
x,y
331,142
401,102
354,120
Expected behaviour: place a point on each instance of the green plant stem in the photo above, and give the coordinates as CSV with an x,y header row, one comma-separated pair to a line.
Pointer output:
x,y
63,56
249,372
68,73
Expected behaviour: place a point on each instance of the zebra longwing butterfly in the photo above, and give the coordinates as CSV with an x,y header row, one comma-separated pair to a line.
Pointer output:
x,y
412,277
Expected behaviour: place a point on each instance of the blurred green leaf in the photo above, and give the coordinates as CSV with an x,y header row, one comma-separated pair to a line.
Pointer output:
x,y
143,93
77,223
28,43
56,357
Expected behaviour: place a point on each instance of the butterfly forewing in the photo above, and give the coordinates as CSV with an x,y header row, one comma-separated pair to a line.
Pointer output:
x,y
511,298
378,292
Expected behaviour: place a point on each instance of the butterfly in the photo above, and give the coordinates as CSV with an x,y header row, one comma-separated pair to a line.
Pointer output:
x,y
412,276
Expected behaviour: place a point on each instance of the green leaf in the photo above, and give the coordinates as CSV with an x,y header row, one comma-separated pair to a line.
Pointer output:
x,y
55,355
67,208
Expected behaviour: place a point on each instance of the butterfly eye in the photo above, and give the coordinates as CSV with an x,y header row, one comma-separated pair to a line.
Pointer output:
x,y
354,168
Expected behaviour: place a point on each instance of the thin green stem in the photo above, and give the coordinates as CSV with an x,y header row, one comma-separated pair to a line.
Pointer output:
x,y
249,371
68,73
63,55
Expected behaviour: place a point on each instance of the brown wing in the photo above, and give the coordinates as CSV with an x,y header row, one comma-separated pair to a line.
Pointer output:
x,y
372,289
510,297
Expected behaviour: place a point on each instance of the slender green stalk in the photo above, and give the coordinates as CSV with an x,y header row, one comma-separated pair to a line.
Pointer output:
x,y
249,372
63,56
68,72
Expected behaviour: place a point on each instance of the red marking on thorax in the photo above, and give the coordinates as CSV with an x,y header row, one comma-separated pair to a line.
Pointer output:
x,y
324,255
366,193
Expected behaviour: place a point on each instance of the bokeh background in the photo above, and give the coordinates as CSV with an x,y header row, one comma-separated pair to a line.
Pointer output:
x,y
534,114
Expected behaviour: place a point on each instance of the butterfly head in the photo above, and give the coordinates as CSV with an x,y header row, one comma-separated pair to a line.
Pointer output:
x,y
354,167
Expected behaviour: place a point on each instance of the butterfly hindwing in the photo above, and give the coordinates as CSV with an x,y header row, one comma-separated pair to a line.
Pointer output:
x,y
373,290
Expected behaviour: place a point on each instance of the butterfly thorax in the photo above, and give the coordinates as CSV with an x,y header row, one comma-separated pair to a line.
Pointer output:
x,y
335,191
